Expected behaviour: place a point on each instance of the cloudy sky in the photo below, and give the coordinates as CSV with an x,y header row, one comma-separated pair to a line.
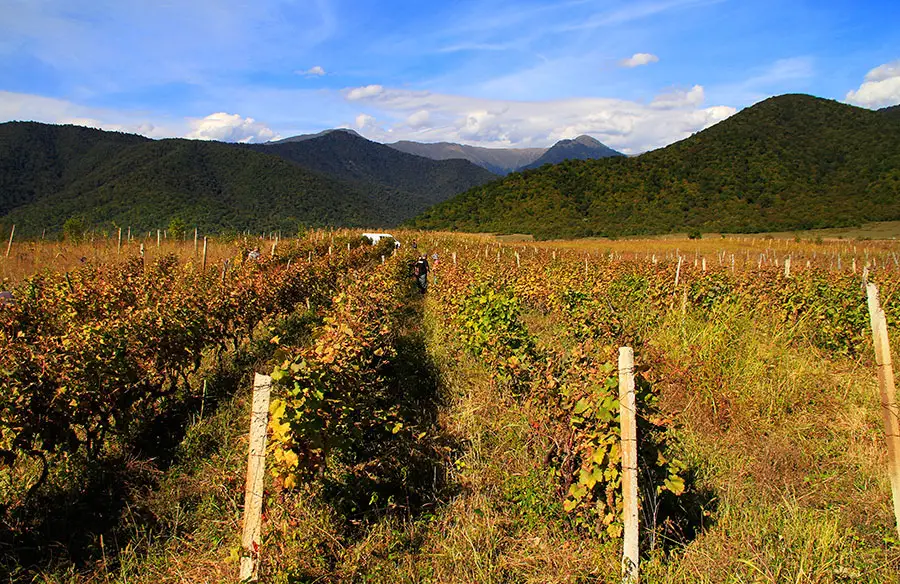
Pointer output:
x,y
636,75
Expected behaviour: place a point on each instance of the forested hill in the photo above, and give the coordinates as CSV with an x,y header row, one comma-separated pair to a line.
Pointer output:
x,y
37,159
51,173
789,162
344,154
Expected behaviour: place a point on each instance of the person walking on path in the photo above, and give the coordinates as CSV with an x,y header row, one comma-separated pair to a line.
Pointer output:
x,y
420,271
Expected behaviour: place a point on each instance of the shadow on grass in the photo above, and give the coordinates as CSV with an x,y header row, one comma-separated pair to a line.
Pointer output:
x,y
670,522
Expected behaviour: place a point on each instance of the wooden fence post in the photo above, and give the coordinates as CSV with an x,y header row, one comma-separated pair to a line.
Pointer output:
x,y
9,245
678,272
119,245
205,241
890,411
256,472
158,237
628,432
196,244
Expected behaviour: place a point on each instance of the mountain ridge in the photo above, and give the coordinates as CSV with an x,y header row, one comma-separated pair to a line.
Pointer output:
x,y
788,162
345,155
49,173
497,160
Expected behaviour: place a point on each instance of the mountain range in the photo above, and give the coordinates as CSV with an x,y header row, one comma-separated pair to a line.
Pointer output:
x,y
505,160
415,182
787,163
50,173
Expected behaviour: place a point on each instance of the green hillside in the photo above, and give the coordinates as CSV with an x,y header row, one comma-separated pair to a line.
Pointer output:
x,y
51,173
37,159
345,155
789,162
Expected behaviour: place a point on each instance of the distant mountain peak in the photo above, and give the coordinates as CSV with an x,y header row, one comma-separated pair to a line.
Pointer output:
x,y
323,133
583,147
585,140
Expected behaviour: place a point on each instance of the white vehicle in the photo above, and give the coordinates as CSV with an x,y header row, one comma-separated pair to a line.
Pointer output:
x,y
376,237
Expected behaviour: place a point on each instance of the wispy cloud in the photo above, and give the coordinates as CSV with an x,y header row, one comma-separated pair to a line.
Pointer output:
x,y
317,71
781,76
639,59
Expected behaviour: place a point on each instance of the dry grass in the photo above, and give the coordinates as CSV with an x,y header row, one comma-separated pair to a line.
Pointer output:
x,y
792,443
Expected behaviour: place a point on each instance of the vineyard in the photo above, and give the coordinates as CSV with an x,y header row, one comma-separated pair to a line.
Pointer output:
x,y
470,434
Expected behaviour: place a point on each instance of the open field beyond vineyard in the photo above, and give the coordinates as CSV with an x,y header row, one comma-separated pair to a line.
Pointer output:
x,y
466,435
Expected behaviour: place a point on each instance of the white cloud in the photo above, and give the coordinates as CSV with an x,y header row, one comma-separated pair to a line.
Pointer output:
x,y
679,98
419,119
625,125
880,88
364,92
230,128
366,122
639,59
316,71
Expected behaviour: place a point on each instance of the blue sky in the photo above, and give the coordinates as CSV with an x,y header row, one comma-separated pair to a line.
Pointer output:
x,y
636,75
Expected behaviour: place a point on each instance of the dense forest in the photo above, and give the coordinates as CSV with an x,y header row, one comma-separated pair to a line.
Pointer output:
x,y
789,162
348,156
49,174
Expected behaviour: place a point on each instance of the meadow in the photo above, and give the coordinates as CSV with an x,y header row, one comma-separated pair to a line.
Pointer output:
x,y
469,434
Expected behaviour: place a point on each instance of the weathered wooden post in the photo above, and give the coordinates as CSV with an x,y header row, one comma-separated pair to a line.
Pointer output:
x,y
9,245
196,243
787,267
158,237
678,272
119,244
454,258
628,433
205,242
518,263
890,411
256,472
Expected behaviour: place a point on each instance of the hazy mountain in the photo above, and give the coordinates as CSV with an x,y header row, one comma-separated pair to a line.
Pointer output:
x,y
51,173
581,148
789,162
497,160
